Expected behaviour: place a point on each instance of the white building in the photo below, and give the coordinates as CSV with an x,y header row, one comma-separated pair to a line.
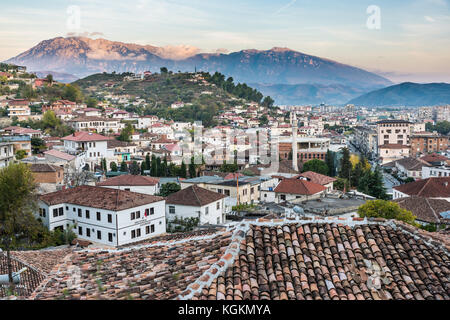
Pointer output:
x,y
138,184
196,202
105,216
91,147
6,153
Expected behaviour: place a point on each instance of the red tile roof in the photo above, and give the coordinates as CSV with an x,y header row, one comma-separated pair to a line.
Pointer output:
x,y
424,209
129,180
317,178
427,188
83,136
58,154
101,198
434,158
301,187
194,196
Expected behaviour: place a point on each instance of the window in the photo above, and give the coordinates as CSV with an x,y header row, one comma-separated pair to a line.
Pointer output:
x,y
283,197
55,213
79,213
227,192
219,190
73,209
99,234
152,228
99,216
172,209
88,232
133,234
152,211
80,231
138,232
127,189
138,214
218,205
61,211
110,237
147,229
109,218
206,210
87,214
133,215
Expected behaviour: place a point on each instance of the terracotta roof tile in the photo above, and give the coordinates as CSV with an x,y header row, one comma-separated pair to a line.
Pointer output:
x,y
194,196
98,197
296,186
317,178
129,180
428,188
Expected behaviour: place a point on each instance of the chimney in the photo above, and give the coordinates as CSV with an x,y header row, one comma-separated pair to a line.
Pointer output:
x,y
294,142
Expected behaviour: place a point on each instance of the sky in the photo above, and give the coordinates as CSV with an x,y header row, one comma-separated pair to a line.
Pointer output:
x,y
409,40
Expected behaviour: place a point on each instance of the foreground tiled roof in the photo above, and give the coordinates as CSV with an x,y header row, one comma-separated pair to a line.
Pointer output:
x,y
129,180
156,272
194,196
317,177
424,209
300,187
332,262
98,197
333,258
427,188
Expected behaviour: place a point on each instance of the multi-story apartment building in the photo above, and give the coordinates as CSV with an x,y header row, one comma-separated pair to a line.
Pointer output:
x,y
365,139
308,148
102,215
20,142
19,108
428,142
393,139
441,113
91,147
95,124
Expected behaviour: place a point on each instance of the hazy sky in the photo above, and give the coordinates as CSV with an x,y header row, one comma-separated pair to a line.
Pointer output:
x,y
412,43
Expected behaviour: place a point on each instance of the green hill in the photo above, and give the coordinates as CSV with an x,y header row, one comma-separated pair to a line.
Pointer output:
x,y
204,95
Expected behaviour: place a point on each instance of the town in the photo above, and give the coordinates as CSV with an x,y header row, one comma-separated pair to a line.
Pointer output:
x,y
108,186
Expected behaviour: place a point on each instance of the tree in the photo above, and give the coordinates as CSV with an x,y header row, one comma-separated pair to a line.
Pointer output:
x,y
183,172
91,102
123,167
163,70
72,93
346,165
17,203
49,78
376,186
37,145
168,188
357,172
147,162
134,168
113,166
316,165
21,154
192,169
126,133
153,167
104,166
385,209
329,160
268,102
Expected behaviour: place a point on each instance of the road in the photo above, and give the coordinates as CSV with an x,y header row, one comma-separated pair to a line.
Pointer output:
x,y
388,180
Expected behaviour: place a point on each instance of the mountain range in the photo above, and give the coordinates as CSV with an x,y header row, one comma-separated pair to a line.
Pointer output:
x,y
291,77
406,94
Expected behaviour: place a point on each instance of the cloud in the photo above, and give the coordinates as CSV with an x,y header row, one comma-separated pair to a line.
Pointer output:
x,y
179,52
85,34
429,19
222,51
